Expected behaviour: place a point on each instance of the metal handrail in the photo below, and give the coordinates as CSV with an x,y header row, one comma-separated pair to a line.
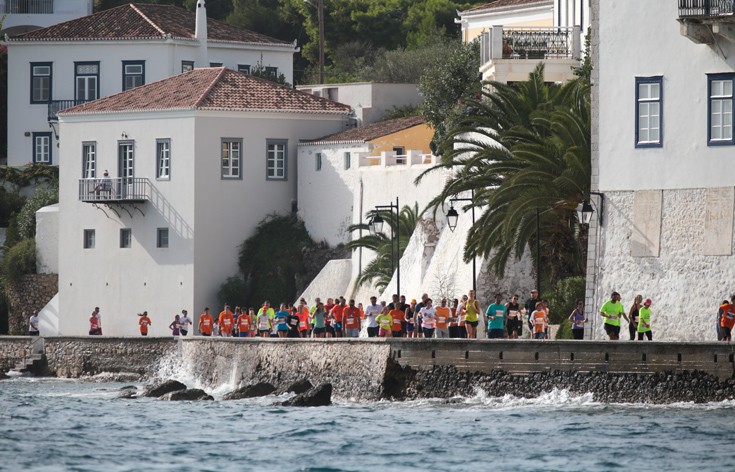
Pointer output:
x,y
55,106
117,190
537,43
26,7
706,8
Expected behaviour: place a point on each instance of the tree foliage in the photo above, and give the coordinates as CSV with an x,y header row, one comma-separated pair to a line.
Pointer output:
x,y
27,216
380,270
19,260
525,152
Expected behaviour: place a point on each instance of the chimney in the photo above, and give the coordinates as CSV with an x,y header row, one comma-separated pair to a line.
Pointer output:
x,y
200,33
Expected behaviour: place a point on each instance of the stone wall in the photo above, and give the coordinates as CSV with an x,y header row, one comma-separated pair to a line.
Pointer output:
x,y
78,356
14,350
686,286
31,293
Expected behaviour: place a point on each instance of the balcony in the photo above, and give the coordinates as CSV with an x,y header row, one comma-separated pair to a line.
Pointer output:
x,y
55,106
510,54
702,21
114,191
27,7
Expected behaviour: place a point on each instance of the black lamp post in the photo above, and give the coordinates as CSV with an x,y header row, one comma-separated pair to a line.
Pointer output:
x,y
376,226
452,219
585,210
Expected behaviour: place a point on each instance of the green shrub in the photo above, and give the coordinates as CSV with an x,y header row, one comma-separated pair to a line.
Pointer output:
x,y
20,260
10,203
232,292
12,235
27,215
565,330
563,299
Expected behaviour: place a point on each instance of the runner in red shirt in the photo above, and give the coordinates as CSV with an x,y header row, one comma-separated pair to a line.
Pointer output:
x,y
226,322
351,320
337,314
206,323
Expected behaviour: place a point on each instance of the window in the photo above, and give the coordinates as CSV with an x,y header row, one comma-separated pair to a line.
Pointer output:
x,y
126,237
231,158
318,161
42,148
719,90
163,159
186,66
399,150
215,64
348,161
88,239
86,78
133,74
40,82
162,237
272,72
275,168
649,107
243,68
89,160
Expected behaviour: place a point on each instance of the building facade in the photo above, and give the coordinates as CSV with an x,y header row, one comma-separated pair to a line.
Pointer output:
x,y
112,51
23,15
194,163
662,147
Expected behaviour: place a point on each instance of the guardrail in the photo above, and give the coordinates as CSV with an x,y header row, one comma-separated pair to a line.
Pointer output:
x,y
32,7
706,8
530,43
117,190
55,106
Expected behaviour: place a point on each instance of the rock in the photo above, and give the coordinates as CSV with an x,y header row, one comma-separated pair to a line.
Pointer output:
x,y
301,386
190,394
129,391
3,376
259,389
164,388
320,395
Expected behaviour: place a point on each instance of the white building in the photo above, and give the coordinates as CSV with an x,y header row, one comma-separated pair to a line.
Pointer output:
x,y
370,101
663,148
196,161
515,35
114,50
28,15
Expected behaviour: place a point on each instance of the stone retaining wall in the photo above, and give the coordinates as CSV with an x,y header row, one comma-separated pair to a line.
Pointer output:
x,y
31,293
13,350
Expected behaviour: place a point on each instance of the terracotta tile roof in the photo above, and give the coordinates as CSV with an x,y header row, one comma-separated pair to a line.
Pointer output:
x,y
144,21
371,131
214,88
504,3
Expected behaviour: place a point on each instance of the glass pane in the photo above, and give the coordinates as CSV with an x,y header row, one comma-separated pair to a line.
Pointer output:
x,y
727,88
716,88
643,91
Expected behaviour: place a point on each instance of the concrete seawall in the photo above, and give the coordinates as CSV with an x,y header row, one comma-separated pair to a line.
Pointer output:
x,y
401,368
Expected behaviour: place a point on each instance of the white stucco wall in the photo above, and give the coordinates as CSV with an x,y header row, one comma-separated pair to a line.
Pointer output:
x,y
47,240
162,59
629,50
63,10
195,202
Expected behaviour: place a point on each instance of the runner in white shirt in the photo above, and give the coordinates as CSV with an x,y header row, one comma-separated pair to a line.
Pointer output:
x,y
428,316
371,311
185,323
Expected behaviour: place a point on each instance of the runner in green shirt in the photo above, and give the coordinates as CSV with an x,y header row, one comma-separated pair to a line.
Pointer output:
x,y
612,310
644,321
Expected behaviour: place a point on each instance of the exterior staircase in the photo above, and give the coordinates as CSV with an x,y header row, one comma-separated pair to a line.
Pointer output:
x,y
36,361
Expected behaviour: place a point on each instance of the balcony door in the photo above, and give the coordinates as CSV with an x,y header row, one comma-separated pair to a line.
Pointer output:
x,y
126,167
86,79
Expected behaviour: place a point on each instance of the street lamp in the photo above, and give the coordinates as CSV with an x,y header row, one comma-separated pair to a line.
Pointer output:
x,y
585,210
376,226
452,219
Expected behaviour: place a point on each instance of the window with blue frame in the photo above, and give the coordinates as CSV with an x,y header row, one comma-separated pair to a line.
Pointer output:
x,y
41,79
719,109
649,108
133,74
42,148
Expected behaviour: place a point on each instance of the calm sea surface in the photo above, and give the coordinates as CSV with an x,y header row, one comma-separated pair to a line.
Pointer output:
x,y
49,424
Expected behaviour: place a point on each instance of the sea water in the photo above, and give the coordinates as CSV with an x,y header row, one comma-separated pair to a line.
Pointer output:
x,y
53,424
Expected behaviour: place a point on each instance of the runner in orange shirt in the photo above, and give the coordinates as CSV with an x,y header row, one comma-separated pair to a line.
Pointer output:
x,y
728,319
443,314
398,318
302,311
337,314
144,322
226,322
243,325
351,320
206,323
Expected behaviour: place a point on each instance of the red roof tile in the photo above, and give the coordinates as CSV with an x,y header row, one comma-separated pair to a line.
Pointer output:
x,y
371,131
215,88
504,3
144,21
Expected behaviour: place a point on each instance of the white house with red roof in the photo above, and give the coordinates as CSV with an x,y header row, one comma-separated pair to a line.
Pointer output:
x,y
195,162
515,35
53,68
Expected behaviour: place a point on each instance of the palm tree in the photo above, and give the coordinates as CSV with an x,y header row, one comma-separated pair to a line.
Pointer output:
x,y
523,149
380,270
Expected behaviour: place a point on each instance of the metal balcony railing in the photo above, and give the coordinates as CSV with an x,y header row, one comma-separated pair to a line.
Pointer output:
x,y
117,190
530,43
32,7
703,9
55,106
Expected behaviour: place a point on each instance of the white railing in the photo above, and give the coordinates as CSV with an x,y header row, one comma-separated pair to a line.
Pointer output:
x,y
118,190
32,7
392,159
531,43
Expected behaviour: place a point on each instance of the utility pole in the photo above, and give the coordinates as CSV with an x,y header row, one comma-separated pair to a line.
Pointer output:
x,y
320,14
